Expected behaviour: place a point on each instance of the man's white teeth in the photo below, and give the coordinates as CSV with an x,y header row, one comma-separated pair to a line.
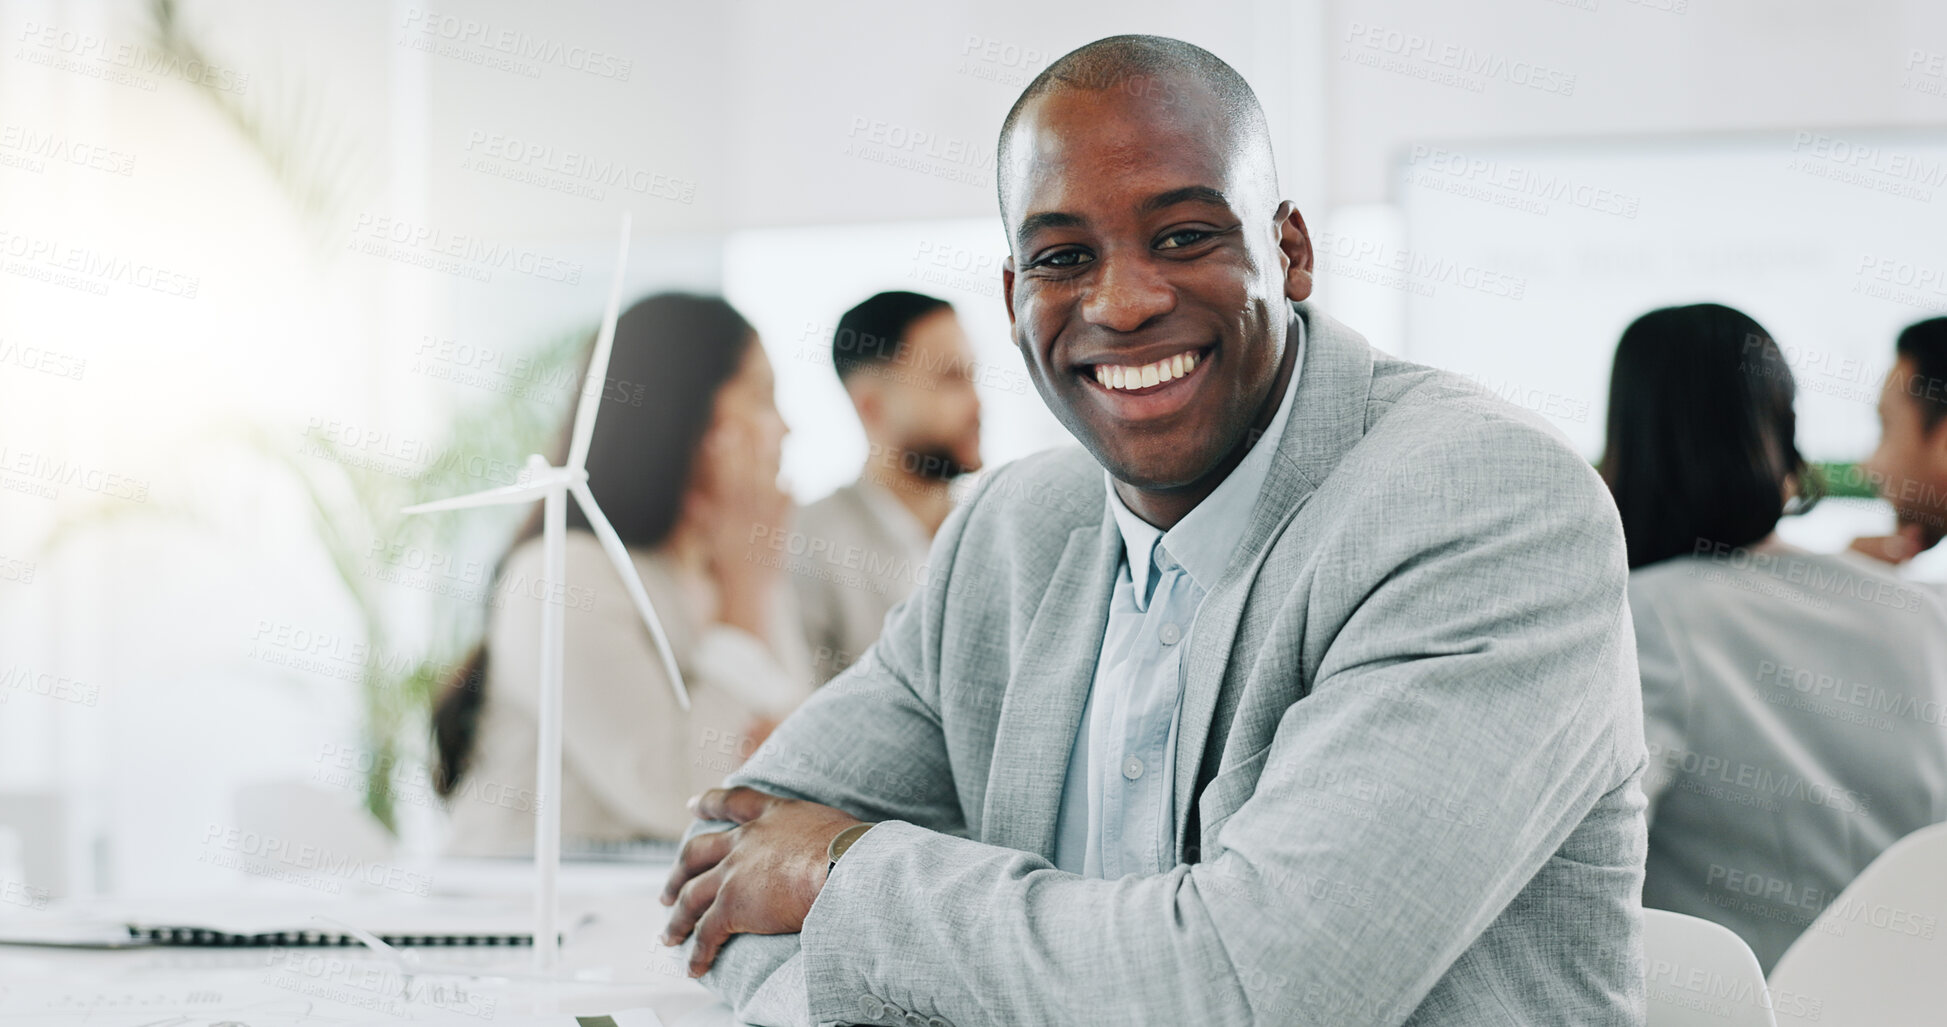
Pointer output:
x,y
1116,376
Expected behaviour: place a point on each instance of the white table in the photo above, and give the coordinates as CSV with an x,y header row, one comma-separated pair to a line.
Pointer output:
x,y
611,964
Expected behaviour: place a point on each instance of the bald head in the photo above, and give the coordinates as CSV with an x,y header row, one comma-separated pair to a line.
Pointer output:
x,y
1161,70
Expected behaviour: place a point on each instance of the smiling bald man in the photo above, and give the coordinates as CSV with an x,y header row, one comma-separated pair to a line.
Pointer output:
x,y
1304,691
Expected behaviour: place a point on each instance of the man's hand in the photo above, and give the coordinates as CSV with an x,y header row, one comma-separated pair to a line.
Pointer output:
x,y
759,877
1908,540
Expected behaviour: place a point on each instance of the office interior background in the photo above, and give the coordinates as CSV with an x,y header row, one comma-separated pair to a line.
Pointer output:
x,y
275,270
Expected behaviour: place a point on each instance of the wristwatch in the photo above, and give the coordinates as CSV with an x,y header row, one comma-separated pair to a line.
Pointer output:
x,y
842,841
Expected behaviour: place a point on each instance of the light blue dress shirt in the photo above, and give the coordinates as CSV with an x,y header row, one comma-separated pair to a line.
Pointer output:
x,y
1118,801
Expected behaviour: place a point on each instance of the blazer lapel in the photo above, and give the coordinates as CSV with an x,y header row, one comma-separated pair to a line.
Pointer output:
x,y
1046,692
1327,419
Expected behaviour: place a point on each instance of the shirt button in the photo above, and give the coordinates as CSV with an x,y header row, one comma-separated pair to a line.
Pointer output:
x,y
1170,634
1132,768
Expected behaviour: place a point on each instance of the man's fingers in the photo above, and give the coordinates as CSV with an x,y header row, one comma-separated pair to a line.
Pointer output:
x,y
695,899
698,854
711,932
741,805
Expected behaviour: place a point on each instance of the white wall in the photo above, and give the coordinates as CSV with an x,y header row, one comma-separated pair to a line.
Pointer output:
x,y
1638,68
811,81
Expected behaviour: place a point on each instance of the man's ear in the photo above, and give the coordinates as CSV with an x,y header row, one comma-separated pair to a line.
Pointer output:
x,y
868,397
1007,287
1295,252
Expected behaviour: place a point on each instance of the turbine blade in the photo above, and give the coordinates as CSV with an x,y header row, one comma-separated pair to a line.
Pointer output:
x,y
491,497
618,554
591,386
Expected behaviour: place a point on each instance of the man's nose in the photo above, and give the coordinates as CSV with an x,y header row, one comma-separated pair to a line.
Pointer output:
x,y
1127,295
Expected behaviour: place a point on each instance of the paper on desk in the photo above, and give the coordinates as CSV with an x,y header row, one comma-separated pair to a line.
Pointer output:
x,y
625,1018
68,934
307,995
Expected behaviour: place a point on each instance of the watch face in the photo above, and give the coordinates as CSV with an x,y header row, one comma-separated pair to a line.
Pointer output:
x,y
845,839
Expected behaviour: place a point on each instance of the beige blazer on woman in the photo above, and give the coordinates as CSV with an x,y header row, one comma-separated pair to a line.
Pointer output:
x,y
630,756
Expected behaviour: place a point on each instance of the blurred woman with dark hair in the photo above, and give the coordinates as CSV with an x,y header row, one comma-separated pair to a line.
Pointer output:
x,y
684,462
1795,703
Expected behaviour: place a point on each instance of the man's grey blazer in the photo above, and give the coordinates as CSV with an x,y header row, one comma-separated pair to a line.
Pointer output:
x,y
1408,758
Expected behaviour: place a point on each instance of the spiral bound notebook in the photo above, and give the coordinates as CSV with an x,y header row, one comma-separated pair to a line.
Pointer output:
x,y
433,922
174,934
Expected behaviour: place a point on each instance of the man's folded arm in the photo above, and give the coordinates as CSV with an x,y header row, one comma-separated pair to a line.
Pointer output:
x,y
864,744
869,743
1464,722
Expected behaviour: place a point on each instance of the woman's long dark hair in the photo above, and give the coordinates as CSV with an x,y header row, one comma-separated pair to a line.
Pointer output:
x,y
1701,433
673,353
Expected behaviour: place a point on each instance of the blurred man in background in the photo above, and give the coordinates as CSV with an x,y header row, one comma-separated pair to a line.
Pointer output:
x,y
907,364
1910,466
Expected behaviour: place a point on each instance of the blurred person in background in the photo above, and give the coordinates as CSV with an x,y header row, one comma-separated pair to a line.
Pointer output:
x,y
687,470
907,365
1795,703
1910,466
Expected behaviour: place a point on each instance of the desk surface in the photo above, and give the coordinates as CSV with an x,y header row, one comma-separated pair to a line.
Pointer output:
x,y
611,963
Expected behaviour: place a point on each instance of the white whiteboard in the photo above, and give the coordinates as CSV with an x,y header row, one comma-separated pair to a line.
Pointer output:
x,y
1522,263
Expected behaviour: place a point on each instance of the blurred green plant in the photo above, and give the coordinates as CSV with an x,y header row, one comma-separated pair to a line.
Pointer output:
x,y
356,503
319,164
1846,480
323,169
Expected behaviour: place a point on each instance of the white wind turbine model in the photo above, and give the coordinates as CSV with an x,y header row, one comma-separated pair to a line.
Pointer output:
x,y
553,485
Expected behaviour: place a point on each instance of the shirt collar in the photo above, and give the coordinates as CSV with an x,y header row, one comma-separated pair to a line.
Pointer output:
x,y
1204,539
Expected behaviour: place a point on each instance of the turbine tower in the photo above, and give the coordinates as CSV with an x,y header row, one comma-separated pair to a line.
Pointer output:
x,y
553,485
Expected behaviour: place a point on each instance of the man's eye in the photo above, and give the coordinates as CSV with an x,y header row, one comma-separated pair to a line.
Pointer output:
x,y
1182,237
1066,258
